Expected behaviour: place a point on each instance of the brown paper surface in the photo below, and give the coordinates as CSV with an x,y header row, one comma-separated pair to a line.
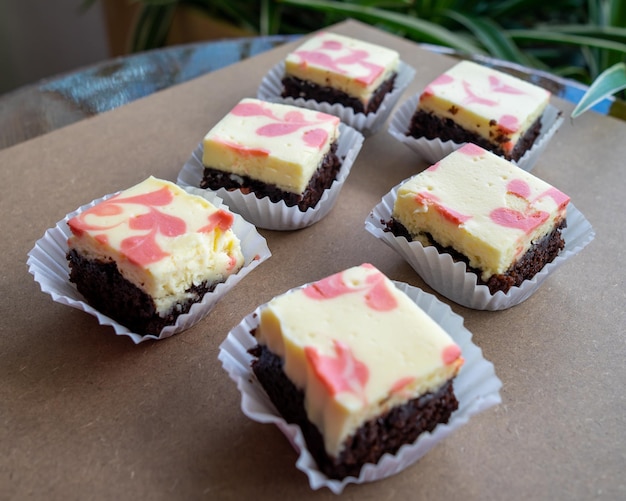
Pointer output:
x,y
85,414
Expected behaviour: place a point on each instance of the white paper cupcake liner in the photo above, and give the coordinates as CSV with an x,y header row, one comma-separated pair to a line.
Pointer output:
x,y
452,280
277,215
48,264
433,150
476,388
271,89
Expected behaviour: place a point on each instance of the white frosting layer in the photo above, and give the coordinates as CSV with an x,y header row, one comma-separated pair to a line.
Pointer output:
x,y
162,239
356,346
487,102
481,205
355,67
277,144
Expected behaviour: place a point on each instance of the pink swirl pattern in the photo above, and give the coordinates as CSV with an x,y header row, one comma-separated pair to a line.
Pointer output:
x,y
455,217
378,298
323,57
440,80
497,85
473,97
141,247
471,149
531,218
339,373
506,123
527,220
290,123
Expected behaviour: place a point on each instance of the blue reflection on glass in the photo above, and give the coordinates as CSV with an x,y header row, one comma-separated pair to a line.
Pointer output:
x,y
121,80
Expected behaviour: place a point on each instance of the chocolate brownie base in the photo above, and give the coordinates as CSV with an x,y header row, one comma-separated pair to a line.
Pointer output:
x,y
323,178
532,262
297,88
104,288
428,125
385,434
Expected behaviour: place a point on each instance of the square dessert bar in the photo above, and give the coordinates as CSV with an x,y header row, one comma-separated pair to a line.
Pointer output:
x,y
145,255
502,221
275,150
337,69
357,365
477,104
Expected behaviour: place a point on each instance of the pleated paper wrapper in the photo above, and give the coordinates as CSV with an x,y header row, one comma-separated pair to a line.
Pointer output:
x,y
433,150
264,213
48,264
271,89
476,388
451,278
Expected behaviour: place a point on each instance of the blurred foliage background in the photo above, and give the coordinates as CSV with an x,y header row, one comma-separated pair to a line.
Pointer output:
x,y
584,40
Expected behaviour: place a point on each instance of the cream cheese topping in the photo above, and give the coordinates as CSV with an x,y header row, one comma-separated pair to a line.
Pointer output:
x,y
277,144
481,205
485,101
162,239
355,67
357,346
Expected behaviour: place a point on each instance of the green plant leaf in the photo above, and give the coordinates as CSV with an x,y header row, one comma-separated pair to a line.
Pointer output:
x,y
608,83
615,33
491,35
241,13
507,8
566,39
415,28
152,26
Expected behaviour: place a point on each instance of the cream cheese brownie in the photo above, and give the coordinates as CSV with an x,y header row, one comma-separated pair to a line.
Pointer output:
x,y
357,365
474,103
338,69
276,150
145,255
502,221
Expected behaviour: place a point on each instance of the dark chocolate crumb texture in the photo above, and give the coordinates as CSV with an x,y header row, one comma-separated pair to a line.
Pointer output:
x,y
383,434
321,180
502,221
357,365
334,68
296,88
476,104
145,255
273,150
